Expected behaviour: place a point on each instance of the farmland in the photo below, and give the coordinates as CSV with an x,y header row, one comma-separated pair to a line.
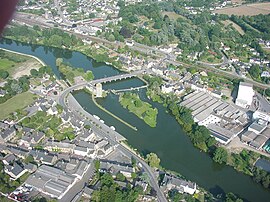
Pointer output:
x,y
247,10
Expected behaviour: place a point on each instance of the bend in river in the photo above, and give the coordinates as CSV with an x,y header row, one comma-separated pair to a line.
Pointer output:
x,y
167,139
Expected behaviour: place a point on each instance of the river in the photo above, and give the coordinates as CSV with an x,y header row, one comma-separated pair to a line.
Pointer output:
x,y
167,139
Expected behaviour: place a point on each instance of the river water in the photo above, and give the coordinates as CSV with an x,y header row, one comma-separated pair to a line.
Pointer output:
x,y
167,139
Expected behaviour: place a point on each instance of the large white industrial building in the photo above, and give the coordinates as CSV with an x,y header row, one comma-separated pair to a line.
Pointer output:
x,y
245,95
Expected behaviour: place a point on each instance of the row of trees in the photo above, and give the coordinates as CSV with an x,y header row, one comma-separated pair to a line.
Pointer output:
x,y
49,37
199,135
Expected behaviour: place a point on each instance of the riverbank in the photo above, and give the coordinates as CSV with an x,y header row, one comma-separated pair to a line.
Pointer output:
x,y
31,56
98,53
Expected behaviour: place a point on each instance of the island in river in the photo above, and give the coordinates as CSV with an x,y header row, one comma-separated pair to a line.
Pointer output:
x,y
143,110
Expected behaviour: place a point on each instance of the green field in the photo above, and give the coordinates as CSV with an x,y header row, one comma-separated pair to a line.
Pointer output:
x,y
6,64
19,101
10,62
143,110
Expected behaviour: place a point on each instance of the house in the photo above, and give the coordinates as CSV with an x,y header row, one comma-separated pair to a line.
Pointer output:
x,y
260,115
15,170
18,151
258,126
183,186
9,159
31,138
81,151
59,146
115,167
8,134
52,111
101,144
167,88
43,157
142,184
30,167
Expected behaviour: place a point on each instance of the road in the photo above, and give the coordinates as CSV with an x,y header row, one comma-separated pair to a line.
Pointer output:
x,y
107,133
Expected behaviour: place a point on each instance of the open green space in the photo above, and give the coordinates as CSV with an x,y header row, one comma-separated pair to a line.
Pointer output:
x,y
49,124
70,73
10,61
17,102
143,110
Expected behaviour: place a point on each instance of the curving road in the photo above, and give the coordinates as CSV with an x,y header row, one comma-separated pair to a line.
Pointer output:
x,y
107,133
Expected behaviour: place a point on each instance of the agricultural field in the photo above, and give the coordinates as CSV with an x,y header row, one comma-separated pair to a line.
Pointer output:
x,y
247,9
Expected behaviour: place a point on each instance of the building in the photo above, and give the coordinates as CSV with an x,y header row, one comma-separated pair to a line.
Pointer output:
x,y
8,134
224,121
115,167
99,90
245,95
258,126
59,146
51,181
183,186
260,115
15,170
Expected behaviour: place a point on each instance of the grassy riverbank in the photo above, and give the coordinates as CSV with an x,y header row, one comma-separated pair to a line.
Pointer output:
x,y
15,64
143,110
58,39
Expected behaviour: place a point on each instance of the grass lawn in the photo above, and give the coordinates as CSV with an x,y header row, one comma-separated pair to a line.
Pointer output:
x,y
6,64
17,102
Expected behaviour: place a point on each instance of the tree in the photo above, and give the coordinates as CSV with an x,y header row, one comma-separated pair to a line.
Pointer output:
x,y
34,72
153,160
111,37
29,159
4,74
120,177
255,71
220,155
230,197
97,165
125,32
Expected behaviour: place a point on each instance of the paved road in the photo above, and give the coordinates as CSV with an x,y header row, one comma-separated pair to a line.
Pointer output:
x,y
107,133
